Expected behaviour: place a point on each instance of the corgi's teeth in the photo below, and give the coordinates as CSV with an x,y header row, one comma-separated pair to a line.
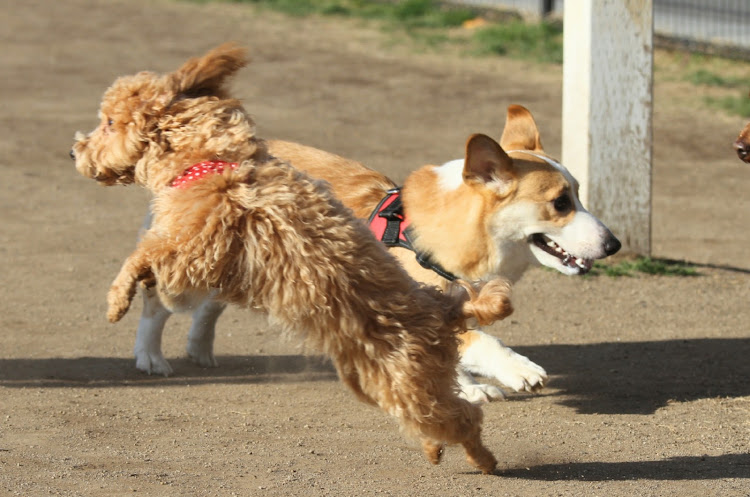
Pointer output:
x,y
559,249
580,262
551,244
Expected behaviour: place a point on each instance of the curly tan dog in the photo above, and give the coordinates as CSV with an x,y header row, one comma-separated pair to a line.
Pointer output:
x,y
245,228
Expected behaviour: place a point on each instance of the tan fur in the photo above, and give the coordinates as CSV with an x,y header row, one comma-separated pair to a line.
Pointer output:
x,y
467,249
540,184
268,237
742,144
467,340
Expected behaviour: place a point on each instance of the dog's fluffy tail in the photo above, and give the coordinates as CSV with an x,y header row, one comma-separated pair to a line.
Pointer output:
x,y
491,303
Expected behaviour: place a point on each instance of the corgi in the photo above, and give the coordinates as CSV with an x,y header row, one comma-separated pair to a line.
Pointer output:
x,y
502,208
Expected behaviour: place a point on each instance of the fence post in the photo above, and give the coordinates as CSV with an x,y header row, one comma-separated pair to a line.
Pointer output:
x,y
607,111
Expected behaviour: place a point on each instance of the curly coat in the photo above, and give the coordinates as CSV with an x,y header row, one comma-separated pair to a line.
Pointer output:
x,y
268,237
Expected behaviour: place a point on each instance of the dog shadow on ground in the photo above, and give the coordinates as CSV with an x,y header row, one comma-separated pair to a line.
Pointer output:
x,y
673,469
101,372
641,377
603,378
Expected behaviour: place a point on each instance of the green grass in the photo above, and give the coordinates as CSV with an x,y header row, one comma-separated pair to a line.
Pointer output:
x,y
407,13
731,104
645,265
710,78
739,106
541,42
433,23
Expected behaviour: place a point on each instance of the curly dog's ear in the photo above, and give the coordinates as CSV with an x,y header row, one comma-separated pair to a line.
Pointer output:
x,y
206,75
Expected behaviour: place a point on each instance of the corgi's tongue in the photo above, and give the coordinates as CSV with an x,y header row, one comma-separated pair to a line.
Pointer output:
x,y
567,259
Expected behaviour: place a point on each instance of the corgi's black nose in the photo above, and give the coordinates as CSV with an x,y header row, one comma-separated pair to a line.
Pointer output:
x,y
743,150
72,154
612,245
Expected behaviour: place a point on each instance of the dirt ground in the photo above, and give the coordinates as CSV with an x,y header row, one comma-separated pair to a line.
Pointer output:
x,y
649,391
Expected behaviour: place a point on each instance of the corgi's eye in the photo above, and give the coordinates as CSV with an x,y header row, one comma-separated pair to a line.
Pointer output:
x,y
563,203
110,122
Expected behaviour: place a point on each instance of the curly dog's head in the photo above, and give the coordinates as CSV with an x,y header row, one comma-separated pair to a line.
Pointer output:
x,y
151,126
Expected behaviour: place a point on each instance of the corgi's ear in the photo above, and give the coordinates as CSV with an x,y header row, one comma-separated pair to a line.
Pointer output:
x,y
486,162
520,131
207,75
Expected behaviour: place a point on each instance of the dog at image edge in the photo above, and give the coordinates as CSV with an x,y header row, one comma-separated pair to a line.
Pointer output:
x,y
742,144
234,224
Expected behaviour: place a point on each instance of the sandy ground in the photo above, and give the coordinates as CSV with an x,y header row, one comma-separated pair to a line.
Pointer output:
x,y
649,391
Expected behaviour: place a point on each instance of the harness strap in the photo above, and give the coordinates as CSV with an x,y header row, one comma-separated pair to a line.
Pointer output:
x,y
389,225
393,214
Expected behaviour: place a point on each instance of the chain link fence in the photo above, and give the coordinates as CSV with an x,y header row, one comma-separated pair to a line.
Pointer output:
x,y
712,26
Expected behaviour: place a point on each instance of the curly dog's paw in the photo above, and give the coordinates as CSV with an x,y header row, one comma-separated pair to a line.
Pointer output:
x,y
433,451
118,303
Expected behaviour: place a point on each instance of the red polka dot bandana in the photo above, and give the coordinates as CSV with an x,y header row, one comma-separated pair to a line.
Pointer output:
x,y
201,170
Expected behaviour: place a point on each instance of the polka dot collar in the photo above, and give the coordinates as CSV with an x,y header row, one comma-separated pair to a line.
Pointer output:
x,y
200,170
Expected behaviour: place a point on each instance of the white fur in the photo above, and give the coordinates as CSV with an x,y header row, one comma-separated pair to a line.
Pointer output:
x,y
148,355
450,174
200,348
489,357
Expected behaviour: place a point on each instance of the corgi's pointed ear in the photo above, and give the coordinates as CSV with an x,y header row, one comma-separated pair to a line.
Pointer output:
x,y
486,162
206,75
520,131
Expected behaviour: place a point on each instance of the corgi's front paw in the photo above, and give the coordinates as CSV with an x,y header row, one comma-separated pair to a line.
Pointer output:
x,y
520,373
481,393
487,356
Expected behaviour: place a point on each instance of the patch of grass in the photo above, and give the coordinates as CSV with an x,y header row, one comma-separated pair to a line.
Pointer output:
x,y
428,14
739,106
646,265
408,13
710,78
541,41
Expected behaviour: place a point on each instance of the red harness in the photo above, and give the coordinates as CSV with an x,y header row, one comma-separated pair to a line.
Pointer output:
x,y
390,225
388,222
201,170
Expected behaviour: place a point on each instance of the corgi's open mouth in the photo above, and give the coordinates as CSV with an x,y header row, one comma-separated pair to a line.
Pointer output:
x,y
569,260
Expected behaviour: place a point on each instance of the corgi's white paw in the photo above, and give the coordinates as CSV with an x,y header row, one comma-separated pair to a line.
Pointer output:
x,y
202,354
519,373
152,363
475,392
481,393
487,356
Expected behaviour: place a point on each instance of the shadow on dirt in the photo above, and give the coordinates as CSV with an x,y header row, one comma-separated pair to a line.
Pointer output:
x,y
676,468
641,377
99,372
605,378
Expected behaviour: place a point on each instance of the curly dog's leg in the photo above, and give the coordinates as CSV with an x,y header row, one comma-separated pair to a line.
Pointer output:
x,y
136,267
432,450
460,423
